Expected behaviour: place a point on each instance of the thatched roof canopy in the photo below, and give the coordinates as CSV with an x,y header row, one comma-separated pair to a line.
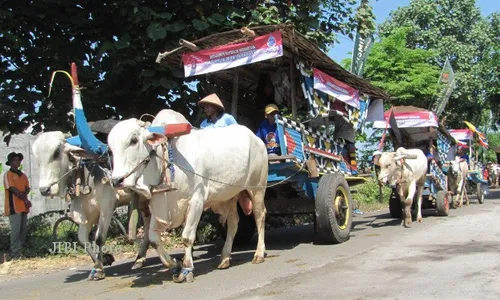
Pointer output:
x,y
294,44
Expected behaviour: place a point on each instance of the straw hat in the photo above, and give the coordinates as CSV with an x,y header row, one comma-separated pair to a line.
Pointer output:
x,y
270,108
212,99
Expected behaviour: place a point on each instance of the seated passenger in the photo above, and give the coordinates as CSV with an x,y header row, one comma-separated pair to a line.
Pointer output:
x,y
463,155
214,110
268,130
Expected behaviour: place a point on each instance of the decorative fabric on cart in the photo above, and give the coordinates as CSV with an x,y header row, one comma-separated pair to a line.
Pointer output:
x,y
443,147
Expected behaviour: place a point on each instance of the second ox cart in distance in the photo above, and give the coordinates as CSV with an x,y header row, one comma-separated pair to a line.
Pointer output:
x,y
322,105
475,181
413,127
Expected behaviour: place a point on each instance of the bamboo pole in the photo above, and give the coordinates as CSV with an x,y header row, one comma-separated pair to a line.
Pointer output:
x,y
234,100
292,87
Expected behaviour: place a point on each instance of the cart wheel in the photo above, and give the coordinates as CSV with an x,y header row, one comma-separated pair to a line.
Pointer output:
x,y
333,209
65,230
480,193
395,205
443,203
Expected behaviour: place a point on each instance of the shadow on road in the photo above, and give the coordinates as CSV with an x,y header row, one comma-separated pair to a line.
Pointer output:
x,y
206,258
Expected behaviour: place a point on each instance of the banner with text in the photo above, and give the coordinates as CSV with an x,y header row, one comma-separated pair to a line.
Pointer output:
x,y
333,87
229,56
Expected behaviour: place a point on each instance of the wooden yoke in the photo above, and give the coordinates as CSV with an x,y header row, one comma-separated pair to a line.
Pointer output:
x,y
170,131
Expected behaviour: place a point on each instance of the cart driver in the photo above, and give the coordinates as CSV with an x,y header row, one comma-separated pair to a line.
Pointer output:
x,y
214,110
268,130
463,156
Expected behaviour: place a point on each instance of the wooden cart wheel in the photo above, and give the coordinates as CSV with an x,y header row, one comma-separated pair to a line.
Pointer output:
x,y
333,209
480,193
395,205
443,203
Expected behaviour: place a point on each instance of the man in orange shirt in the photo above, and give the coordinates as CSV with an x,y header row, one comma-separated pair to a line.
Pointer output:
x,y
17,205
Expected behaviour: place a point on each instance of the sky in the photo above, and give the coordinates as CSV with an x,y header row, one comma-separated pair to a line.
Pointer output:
x,y
382,8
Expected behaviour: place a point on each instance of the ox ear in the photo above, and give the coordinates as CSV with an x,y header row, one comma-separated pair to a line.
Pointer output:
x,y
76,151
156,139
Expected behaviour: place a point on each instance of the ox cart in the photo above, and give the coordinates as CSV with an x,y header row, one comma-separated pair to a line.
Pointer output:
x,y
476,184
412,127
321,104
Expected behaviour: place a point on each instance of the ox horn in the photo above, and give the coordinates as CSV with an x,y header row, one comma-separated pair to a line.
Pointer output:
x,y
143,124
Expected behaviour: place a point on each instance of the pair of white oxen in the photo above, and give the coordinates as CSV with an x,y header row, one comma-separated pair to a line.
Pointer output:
x,y
407,170
213,168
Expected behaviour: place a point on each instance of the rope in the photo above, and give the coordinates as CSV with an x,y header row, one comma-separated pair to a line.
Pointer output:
x,y
64,175
230,184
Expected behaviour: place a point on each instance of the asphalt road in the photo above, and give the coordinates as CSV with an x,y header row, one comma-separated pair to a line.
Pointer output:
x,y
455,257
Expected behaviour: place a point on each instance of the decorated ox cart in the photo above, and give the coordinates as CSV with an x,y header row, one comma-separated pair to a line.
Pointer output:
x,y
322,106
412,127
476,183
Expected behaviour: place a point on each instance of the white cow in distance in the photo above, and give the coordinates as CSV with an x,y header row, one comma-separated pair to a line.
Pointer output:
x,y
457,181
407,170
229,163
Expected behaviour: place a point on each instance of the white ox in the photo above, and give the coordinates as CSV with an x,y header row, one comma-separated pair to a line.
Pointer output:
x,y
407,170
213,169
457,181
55,158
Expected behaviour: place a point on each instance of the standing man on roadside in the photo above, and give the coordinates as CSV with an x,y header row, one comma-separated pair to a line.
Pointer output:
x,y
17,205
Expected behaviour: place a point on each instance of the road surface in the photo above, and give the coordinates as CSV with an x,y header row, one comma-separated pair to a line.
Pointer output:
x,y
455,257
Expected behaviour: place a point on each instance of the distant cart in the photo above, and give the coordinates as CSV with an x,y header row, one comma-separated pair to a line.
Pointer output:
x,y
419,128
476,184
322,106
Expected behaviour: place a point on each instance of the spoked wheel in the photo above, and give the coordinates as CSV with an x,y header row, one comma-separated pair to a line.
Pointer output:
x,y
65,230
333,209
395,205
480,193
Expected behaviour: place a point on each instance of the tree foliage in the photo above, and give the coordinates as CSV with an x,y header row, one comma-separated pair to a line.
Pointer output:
x,y
408,75
456,30
115,44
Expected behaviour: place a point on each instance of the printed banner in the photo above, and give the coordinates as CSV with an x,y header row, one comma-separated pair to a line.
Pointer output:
x,y
229,56
333,87
410,119
461,134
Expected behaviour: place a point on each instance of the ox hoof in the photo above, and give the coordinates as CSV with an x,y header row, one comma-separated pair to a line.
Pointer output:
x,y
183,275
107,259
258,259
139,263
96,274
419,220
224,264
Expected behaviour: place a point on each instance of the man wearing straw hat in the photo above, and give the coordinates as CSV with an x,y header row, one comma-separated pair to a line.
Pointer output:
x,y
214,110
17,205
268,131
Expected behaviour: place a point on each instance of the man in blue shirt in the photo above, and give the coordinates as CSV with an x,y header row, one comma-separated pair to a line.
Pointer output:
x,y
268,131
214,110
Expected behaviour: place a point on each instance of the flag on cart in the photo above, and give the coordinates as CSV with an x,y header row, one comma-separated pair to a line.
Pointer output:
x,y
474,129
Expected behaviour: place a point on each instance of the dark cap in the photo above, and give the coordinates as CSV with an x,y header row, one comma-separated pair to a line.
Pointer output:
x,y
12,155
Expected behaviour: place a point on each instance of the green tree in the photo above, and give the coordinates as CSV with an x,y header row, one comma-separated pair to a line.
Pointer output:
x,y
408,75
456,30
115,44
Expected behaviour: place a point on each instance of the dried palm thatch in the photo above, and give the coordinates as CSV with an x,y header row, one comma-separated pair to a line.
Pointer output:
x,y
295,45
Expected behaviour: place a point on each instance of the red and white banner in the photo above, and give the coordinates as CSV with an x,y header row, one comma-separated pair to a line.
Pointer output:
x,y
410,119
333,87
229,56
461,134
